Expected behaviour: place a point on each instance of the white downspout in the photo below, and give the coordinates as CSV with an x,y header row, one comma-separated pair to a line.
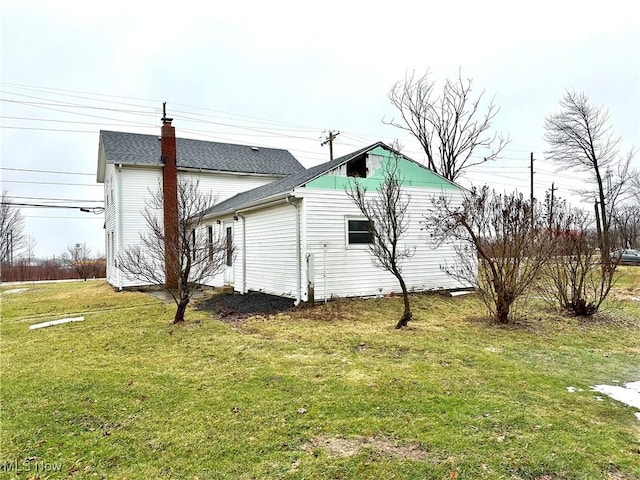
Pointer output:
x,y
298,253
119,223
324,271
244,252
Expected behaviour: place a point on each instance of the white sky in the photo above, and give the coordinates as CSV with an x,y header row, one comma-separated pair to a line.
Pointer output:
x,y
281,72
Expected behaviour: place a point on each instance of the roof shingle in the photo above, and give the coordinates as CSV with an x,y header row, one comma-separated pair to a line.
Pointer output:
x,y
139,149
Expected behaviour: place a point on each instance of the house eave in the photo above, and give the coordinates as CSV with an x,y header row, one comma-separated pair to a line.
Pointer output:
x,y
255,205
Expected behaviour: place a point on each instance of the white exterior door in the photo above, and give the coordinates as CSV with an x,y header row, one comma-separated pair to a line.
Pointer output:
x,y
228,271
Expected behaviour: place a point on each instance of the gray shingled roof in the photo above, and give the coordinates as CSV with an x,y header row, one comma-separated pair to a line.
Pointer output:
x,y
139,149
286,184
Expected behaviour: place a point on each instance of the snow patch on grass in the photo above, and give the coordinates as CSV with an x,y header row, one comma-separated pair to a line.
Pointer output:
x,y
629,394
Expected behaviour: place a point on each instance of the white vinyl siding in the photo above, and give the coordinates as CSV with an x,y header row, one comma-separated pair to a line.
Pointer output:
x,y
110,222
137,185
222,186
270,250
133,186
341,270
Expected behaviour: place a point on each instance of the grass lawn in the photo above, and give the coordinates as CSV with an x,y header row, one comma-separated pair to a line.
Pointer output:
x,y
332,392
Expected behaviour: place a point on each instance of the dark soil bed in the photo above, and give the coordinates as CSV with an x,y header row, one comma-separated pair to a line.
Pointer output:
x,y
233,306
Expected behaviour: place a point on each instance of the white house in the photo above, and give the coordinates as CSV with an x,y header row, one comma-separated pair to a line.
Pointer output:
x,y
133,166
303,237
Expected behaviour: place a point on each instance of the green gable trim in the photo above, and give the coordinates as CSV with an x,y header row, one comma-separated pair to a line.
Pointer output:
x,y
413,175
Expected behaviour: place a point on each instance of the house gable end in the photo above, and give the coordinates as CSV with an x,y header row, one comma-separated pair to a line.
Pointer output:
x,y
371,174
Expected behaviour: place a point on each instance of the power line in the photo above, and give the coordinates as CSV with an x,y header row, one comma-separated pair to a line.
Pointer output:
x,y
53,89
62,103
124,123
48,129
96,210
42,105
54,183
45,171
86,217
57,199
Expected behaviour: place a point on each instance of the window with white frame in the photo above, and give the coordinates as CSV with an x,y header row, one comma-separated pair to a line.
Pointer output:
x,y
210,241
359,231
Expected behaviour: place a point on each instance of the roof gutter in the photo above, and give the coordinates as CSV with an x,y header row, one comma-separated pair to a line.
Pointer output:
x,y
255,205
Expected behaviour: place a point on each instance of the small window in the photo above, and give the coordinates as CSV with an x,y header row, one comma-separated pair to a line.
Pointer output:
x,y
359,232
193,244
229,247
210,241
357,167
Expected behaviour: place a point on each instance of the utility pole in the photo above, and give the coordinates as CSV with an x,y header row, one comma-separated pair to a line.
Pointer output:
x,y
532,207
331,136
553,189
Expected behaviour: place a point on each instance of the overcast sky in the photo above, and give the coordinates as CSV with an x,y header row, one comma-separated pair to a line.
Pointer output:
x,y
278,73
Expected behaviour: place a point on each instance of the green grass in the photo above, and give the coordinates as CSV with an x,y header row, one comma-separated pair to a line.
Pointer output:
x,y
332,392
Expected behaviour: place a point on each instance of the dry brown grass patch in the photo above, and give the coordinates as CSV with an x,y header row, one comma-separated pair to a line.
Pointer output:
x,y
348,447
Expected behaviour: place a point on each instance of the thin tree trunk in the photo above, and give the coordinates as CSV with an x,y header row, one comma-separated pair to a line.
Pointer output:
x,y
182,307
406,316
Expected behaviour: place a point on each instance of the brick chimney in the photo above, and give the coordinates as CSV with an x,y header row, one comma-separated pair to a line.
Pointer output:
x,y
170,196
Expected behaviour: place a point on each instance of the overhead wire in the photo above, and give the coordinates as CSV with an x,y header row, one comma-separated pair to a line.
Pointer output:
x,y
191,113
57,199
13,169
53,183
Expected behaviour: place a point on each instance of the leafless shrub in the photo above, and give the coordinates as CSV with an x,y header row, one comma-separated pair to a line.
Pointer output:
x,y
498,250
575,278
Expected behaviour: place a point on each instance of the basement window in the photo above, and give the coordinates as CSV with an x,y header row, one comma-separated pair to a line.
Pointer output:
x,y
359,232
357,167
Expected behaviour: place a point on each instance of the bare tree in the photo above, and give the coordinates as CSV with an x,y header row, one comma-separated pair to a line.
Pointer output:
x,y
194,256
30,244
11,229
498,250
79,257
386,213
451,126
580,137
626,220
